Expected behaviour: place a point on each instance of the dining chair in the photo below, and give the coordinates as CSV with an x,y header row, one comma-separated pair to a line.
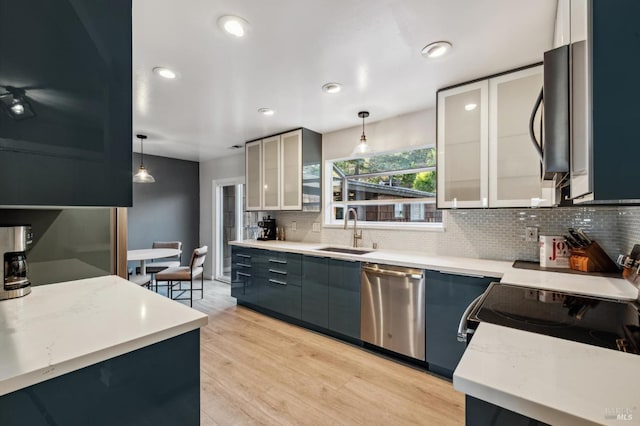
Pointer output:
x,y
141,280
176,276
158,265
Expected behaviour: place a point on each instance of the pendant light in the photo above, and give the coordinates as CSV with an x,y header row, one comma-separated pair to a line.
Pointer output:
x,y
363,147
142,176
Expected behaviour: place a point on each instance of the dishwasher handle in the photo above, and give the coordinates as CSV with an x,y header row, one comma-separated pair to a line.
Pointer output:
x,y
462,327
392,273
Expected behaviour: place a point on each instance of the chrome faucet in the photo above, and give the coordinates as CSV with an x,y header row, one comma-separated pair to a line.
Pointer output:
x,y
356,235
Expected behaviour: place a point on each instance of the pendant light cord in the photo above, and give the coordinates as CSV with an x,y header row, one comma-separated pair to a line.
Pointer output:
x,y
142,138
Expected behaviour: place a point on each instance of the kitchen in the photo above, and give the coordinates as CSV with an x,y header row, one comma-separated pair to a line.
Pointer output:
x,y
467,233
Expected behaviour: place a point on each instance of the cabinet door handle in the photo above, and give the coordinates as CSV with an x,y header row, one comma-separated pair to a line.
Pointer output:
x,y
246,256
392,273
271,280
242,274
243,265
282,262
275,271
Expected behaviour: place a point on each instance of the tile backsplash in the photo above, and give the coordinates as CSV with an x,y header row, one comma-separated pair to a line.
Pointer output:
x,y
489,234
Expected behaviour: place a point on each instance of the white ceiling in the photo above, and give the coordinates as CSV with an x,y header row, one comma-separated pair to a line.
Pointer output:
x,y
295,46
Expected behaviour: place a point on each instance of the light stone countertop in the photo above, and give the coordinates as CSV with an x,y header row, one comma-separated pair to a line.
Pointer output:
x,y
557,381
63,327
613,288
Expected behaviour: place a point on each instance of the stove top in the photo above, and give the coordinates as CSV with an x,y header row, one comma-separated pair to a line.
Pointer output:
x,y
594,321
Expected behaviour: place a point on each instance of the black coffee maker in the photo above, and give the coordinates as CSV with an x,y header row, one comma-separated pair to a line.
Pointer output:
x,y
267,229
14,242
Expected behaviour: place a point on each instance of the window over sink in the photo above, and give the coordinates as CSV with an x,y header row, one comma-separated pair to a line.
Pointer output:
x,y
392,189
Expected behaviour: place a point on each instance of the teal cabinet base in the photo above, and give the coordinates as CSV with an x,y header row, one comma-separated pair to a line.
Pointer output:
x,y
155,385
301,323
482,413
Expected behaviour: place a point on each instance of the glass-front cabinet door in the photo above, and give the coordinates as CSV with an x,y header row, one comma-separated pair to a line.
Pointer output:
x,y
514,165
271,173
463,134
253,175
291,170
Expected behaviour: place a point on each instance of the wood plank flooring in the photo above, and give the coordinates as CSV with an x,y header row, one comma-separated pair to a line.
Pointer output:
x,y
259,370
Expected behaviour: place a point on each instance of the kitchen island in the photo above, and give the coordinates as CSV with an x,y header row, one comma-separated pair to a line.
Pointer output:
x,y
98,351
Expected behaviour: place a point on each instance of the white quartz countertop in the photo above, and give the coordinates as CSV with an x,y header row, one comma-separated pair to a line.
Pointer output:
x,y
614,288
553,380
63,327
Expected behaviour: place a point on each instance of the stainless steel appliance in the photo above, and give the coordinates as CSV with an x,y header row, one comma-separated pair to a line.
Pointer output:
x,y
267,229
14,242
553,148
594,321
392,309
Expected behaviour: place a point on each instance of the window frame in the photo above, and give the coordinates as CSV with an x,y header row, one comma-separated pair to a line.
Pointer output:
x,y
328,203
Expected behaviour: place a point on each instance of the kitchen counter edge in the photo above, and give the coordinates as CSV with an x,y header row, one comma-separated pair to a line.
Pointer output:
x,y
63,327
613,288
549,379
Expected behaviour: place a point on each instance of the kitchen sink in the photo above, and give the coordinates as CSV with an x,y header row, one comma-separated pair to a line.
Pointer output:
x,y
345,250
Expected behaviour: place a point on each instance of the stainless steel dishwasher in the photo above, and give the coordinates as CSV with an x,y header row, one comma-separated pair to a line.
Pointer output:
x,y
392,308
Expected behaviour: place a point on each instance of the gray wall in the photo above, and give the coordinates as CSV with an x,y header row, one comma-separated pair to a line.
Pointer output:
x,y
68,244
167,210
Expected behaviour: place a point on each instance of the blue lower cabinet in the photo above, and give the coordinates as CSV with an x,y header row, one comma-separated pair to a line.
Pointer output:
x,y
279,278
155,385
243,285
447,296
344,297
482,413
315,291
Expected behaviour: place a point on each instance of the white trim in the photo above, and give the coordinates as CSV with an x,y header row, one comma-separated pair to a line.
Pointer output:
x,y
217,186
396,226
328,204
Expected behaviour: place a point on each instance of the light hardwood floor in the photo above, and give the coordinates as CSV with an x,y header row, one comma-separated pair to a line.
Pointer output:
x,y
259,370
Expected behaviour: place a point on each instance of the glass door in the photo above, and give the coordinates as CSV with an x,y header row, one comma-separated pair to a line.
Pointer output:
x,y
229,225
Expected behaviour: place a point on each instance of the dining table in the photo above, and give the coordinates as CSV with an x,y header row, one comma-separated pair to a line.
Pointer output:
x,y
149,254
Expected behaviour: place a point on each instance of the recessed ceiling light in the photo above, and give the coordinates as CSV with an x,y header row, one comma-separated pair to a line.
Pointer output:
x,y
266,111
470,107
332,88
436,49
234,25
165,73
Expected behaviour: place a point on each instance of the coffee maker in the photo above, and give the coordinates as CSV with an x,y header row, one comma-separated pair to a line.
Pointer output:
x,y
268,229
14,242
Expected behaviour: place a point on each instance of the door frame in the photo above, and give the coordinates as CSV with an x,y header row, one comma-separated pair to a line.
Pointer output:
x,y
216,189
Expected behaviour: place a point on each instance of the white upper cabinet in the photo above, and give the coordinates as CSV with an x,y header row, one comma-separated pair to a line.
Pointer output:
x,y
274,172
291,170
271,173
253,167
485,154
463,137
514,165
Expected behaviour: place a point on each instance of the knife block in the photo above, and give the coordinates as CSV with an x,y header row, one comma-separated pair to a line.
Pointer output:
x,y
591,259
